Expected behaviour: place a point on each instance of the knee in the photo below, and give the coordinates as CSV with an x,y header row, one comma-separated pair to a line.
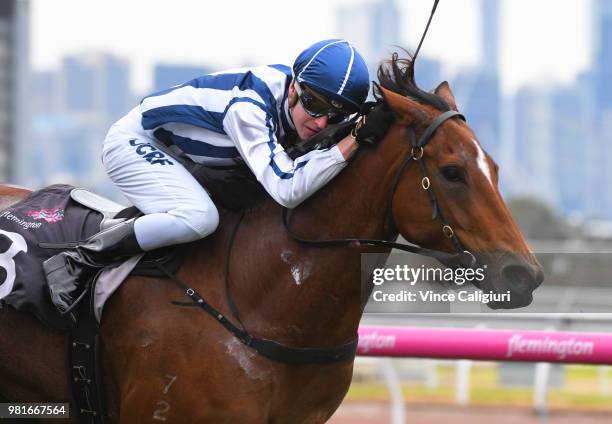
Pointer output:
x,y
201,222
206,222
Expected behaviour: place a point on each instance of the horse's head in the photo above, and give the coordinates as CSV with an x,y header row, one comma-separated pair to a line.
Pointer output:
x,y
461,188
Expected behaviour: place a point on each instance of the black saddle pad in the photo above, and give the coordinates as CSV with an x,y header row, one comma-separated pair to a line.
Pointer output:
x,y
48,215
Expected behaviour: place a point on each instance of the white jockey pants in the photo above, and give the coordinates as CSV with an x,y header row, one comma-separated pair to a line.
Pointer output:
x,y
177,209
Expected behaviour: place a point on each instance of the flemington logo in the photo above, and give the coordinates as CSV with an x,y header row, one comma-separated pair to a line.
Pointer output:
x,y
376,341
6,214
50,215
562,349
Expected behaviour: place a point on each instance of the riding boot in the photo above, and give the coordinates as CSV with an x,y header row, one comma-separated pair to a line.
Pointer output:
x,y
68,271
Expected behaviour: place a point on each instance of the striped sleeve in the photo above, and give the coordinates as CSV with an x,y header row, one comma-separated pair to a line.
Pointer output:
x,y
289,182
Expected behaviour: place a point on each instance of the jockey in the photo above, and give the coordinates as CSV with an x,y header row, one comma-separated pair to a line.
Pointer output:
x,y
218,120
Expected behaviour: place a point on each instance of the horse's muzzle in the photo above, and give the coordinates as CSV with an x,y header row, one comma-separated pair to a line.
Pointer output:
x,y
512,273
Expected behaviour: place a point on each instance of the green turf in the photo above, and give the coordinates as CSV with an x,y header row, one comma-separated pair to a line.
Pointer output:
x,y
580,391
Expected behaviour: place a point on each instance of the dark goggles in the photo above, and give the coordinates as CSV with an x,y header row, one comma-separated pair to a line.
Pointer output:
x,y
316,105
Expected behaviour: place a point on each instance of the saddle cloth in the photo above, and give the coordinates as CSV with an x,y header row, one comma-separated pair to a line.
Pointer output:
x,y
51,215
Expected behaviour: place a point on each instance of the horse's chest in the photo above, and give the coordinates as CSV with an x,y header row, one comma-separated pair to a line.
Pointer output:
x,y
253,368
286,394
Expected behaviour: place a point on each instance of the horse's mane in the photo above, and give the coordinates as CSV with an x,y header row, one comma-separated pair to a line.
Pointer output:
x,y
397,75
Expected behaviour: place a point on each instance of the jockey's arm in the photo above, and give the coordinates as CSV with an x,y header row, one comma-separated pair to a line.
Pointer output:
x,y
288,181
348,146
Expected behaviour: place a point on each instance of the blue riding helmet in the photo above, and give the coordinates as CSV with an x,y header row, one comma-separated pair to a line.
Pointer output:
x,y
334,69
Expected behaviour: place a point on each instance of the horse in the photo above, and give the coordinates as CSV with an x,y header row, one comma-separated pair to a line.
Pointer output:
x,y
164,362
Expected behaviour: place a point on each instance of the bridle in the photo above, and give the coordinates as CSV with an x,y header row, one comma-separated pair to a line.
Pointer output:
x,y
416,155
462,257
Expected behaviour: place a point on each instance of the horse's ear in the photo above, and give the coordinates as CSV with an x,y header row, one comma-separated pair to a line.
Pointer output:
x,y
401,106
444,91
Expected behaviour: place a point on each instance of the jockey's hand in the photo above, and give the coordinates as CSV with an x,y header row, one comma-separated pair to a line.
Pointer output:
x,y
329,136
377,123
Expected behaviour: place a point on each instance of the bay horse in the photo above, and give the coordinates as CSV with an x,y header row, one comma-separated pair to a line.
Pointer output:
x,y
163,362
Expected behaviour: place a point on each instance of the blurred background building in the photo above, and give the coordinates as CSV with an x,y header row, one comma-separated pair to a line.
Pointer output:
x,y
14,93
166,75
553,141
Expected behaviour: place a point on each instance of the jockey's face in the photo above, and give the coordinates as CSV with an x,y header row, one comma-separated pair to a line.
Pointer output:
x,y
305,125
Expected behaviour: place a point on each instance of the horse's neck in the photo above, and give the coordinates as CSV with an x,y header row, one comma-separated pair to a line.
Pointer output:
x,y
297,293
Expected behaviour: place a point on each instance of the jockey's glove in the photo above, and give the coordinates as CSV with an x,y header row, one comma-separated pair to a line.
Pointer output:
x,y
327,137
377,122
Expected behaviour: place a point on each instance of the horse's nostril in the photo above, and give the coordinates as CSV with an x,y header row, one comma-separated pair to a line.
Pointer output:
x,y
519,277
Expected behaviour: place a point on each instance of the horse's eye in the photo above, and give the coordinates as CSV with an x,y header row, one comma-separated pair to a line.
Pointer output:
x,y
453,174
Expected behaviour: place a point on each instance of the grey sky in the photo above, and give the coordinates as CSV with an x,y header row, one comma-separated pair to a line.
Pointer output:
x,y
541,39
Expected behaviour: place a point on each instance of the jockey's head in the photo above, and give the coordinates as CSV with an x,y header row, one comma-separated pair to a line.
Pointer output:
x,y
330,82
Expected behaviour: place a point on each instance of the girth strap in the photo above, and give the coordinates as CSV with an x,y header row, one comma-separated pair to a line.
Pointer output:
x,y
83,357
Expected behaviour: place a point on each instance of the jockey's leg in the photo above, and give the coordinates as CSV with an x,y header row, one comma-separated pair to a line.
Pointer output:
x,y
67,269
177,210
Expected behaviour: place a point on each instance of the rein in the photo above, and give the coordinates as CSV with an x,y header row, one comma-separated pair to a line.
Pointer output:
x,y
462,257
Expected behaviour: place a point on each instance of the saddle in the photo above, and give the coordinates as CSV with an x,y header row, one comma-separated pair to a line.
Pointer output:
x,y
62,215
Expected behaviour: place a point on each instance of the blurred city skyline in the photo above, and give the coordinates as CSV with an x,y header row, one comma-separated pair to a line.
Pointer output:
x,y
533,45
550,129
